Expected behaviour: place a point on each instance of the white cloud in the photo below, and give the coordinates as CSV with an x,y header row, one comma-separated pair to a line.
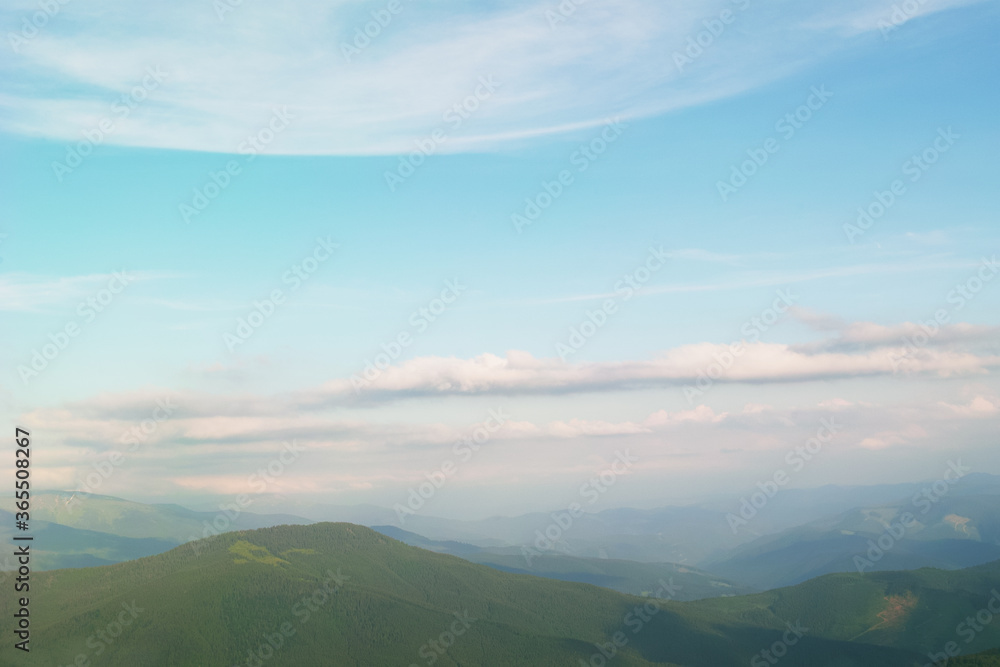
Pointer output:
x,y
521,373
700,414
979,406
609,58
856,350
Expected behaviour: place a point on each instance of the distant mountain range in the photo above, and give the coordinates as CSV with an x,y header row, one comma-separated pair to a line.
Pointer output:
x,y
73,529
796,536
952,533
624,576
341,594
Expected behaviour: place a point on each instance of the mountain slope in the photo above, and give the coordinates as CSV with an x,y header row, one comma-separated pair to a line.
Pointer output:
x,y
387,603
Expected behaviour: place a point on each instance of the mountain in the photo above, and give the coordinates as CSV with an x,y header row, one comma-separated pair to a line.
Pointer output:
x,y
619,575
695,536
451,547
115,516
959,529
688,534
701,534
951,532
683,535
60,546
342,594
273,503
794,507
85,530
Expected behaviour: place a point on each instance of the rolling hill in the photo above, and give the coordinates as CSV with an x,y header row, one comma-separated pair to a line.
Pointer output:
x,y
346,595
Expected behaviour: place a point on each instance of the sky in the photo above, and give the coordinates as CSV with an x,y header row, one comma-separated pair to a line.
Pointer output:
x,y
341,238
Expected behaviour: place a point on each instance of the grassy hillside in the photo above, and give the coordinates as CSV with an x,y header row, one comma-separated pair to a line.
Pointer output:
x,y
393,600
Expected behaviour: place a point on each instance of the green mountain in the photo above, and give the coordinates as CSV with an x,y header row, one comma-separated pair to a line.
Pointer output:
x,y
340,594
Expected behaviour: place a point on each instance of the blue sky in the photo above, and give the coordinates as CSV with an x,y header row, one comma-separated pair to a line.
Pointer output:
x,y
322,175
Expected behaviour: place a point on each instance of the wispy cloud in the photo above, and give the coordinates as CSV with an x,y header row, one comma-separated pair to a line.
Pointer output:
x,y
751,279
33,293
224,76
